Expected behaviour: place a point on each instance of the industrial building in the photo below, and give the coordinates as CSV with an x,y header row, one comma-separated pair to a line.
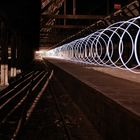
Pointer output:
x,y
70,70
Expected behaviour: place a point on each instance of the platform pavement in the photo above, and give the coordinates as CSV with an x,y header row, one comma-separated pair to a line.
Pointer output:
x,y
115,99
124,91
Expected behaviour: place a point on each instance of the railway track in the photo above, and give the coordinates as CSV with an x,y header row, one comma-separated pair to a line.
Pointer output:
x,y
57,117
18,101
61,116
36,105
55,112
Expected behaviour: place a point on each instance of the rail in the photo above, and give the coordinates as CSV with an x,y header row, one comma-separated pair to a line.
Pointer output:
x,y
17,104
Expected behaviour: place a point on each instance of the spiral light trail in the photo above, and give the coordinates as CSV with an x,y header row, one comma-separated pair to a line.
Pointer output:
x,y
118,46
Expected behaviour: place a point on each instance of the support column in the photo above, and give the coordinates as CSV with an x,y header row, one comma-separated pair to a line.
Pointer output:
x,y
65,11
18,53
4,75
4,54
74,7
13,71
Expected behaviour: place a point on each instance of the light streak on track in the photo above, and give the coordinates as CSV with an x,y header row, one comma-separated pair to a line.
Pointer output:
x,y
116,46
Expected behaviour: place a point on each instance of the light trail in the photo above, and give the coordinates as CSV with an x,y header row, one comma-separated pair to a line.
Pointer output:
x,y
117,46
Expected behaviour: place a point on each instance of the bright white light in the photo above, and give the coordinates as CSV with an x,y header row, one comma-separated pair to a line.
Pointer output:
x,y
40,54
115,46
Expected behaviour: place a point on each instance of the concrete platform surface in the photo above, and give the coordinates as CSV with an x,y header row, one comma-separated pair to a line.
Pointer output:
x,y
118,85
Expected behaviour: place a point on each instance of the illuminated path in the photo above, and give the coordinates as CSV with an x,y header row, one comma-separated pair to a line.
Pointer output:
x,y
116,46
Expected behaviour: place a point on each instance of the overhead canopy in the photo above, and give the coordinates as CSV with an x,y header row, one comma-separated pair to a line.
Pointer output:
x,y
62,19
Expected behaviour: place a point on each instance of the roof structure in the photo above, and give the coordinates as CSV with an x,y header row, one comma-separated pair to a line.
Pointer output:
x,y
61,20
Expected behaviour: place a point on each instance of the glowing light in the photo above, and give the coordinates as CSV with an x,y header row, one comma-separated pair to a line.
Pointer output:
x,y
40,54
115,46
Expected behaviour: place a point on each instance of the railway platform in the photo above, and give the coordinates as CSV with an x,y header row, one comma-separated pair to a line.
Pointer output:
x,y
110,97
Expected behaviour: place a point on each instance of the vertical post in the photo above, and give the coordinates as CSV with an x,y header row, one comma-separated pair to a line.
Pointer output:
x,y
13,55
139,8
74,7
4,54
18,51
65,11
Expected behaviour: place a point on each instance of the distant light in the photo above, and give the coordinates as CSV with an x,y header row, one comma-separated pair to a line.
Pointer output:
x,y
40,54
117,6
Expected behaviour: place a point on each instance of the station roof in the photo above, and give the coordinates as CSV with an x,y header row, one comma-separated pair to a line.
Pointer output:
x,y
65,20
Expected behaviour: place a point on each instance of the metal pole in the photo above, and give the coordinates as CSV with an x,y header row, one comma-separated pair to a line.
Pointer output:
x,y
65,11
74,7
4,55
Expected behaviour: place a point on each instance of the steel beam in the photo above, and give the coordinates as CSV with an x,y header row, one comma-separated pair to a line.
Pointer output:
x,y
82,17
65,26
